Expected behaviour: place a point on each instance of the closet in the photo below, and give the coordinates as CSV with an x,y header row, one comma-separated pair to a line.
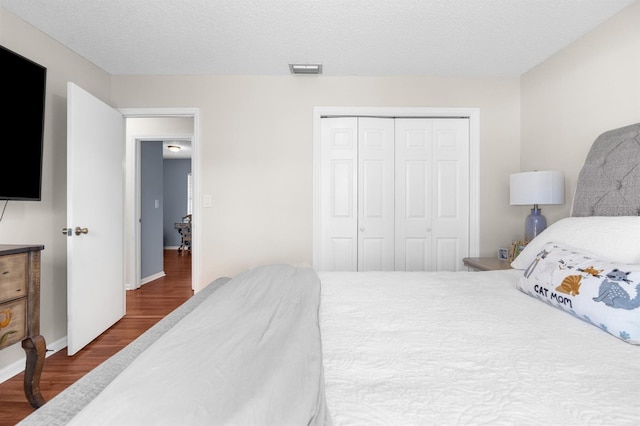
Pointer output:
x,y
393,194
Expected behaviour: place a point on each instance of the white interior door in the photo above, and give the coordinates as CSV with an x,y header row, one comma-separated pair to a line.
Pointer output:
x,y
413,194
375,194
451,193
338,189
432,194
95,197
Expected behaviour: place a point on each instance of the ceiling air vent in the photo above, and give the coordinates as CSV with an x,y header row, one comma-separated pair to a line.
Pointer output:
x,y
305,68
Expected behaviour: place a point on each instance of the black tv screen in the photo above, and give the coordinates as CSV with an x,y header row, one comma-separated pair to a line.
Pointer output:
x,y
23,85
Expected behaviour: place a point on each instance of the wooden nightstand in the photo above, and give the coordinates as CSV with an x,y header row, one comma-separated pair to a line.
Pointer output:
x,y
486,263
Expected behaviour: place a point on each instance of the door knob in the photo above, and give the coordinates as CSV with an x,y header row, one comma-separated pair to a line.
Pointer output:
x,y
79,230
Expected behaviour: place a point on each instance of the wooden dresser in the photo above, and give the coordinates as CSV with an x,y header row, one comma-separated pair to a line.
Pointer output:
x,y
20,311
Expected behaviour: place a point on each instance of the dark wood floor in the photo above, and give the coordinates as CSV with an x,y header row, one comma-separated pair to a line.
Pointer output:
x,y
145,307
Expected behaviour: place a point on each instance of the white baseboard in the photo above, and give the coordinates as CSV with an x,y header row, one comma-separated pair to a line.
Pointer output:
x,y
152,278
171,247
18,367
56,346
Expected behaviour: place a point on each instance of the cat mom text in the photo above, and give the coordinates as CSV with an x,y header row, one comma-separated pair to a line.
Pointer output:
x,y
552,295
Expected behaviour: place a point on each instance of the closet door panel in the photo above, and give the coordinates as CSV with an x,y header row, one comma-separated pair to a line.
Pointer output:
x,y
342,254
342,189
413,193
375,194
447,250
415,186
448,188
373,190
372,254
451,213
338,190
416,257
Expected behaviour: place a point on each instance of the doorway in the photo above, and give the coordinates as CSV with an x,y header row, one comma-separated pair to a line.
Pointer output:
x,y
133,188
165,169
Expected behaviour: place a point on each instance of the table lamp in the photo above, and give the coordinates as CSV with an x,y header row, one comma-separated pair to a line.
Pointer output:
x,y
539,187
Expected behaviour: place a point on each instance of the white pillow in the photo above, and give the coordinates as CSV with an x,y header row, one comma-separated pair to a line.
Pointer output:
x,y
613,239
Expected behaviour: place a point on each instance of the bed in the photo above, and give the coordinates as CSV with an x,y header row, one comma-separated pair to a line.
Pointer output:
x,y
555,340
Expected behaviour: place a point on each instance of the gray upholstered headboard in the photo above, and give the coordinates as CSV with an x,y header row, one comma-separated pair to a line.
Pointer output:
x,y
609,182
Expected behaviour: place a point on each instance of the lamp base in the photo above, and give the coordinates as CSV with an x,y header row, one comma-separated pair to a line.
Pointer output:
x,y
534,224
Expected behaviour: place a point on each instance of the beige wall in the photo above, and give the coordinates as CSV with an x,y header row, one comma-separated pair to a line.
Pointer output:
x,y
589,87
42,222
256,137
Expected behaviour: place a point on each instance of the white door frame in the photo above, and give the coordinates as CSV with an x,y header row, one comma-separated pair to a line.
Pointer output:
x,y
473,114
132,194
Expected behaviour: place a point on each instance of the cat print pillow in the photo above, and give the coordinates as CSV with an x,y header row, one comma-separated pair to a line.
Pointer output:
x,y
604,294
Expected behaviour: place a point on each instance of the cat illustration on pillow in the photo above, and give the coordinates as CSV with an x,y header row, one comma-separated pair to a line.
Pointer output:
x,y
571,284
543,254
613,295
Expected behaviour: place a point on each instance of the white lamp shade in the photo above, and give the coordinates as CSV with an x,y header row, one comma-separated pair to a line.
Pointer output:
x,y
540,187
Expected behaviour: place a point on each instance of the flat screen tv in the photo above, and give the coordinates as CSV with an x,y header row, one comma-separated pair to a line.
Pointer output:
x,y
22,126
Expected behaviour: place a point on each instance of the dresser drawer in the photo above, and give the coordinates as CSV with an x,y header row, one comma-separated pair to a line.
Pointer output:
x,y
13,276
13,322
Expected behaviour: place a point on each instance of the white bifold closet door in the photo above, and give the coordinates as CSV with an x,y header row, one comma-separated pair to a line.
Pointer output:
x,y
394,194
375,209
431,194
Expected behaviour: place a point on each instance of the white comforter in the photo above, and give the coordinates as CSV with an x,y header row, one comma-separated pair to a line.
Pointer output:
x,y
466,348
398,349
249,354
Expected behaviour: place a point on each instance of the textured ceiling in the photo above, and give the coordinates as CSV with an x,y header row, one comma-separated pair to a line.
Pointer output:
x,y
349,37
